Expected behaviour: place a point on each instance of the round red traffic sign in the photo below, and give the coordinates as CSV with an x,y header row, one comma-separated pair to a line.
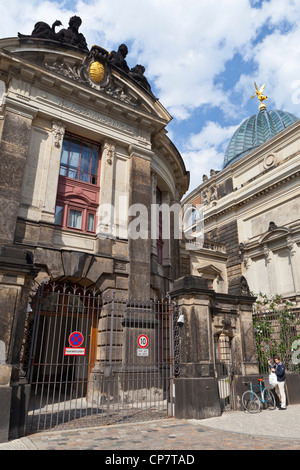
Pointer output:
x,y
76,339
143,341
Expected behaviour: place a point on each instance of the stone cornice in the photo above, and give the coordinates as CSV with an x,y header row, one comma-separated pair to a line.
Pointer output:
x,y
237,199
131,109
20,108
140,152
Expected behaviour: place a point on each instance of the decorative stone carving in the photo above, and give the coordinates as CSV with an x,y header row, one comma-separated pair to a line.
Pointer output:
x,y
291,245
110,149
209,194
58,131
272,226
95,72
269,161
267,253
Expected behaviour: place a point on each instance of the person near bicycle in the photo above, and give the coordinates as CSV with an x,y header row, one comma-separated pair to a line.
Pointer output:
x,y
279,370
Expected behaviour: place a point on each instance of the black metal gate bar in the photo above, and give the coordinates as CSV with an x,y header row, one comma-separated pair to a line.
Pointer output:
x,y
116,378
224,370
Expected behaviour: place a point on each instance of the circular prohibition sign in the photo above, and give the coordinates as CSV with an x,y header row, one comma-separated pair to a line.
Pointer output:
x,y
76,339
143,341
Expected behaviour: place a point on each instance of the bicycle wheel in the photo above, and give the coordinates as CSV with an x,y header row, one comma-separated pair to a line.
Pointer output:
x,y
269,400
251,402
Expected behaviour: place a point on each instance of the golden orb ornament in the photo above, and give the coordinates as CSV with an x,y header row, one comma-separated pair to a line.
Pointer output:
x,y
97,72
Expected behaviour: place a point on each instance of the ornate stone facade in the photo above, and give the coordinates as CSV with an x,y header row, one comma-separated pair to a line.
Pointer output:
x,y
256,215
78,134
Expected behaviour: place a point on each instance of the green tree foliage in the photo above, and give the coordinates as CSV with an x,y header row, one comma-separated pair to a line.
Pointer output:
x,y
276,327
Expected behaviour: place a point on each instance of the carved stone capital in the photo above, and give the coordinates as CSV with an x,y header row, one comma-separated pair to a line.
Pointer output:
x,y
109,149
267,253
58,132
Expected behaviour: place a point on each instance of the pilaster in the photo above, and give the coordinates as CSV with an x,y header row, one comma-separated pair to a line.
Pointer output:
x,y
13,153
139,221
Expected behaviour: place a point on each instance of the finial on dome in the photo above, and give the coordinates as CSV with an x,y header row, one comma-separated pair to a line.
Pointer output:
x,y
261,97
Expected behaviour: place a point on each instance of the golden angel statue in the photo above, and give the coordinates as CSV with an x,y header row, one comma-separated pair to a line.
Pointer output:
x,y
259,94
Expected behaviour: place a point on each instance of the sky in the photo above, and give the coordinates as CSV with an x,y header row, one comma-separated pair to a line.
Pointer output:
x,y
202,58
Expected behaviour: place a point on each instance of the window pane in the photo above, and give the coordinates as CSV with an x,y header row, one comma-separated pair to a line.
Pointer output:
x,y
63,171
65,151
72,173
79,160
59,211
84,177
86,154
74,158
85,163
91,219
95,158
75,218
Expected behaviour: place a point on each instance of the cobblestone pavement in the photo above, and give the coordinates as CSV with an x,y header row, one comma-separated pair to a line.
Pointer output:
x,y
267,430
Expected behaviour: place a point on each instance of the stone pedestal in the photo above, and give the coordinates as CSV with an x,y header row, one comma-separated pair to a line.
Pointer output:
x,y
16,274
197,398
5,400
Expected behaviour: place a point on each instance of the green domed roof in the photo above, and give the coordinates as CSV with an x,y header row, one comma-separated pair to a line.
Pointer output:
x,y
255,131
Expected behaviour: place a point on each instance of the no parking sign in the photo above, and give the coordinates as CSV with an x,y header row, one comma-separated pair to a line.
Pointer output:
x,y
76,339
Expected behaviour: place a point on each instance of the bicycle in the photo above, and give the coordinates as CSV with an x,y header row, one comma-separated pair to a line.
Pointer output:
x,y
254,401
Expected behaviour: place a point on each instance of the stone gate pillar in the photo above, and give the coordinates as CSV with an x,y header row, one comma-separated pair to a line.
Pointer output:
x,y
207,315
16,274
196,390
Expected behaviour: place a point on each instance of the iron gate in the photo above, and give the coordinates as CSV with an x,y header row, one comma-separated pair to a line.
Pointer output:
x,y
93,359
224,370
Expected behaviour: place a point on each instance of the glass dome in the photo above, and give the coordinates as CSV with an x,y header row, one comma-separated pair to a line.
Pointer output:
x,y
255,131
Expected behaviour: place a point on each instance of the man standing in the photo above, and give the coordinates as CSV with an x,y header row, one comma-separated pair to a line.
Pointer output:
x,y
279,370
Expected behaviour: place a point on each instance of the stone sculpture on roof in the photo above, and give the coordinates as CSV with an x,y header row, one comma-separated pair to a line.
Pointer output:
x,y
137,73
118,58
70,36
96,63
44,31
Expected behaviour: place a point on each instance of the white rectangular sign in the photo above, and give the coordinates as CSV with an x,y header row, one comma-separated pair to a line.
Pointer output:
x,y
74,351
142,352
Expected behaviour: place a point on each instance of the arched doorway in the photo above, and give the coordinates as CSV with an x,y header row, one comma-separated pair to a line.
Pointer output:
x,y
95,359
60,351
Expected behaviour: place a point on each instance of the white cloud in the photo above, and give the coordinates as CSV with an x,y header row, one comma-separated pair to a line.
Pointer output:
x,y
277,57
185,45
277,60
205,151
